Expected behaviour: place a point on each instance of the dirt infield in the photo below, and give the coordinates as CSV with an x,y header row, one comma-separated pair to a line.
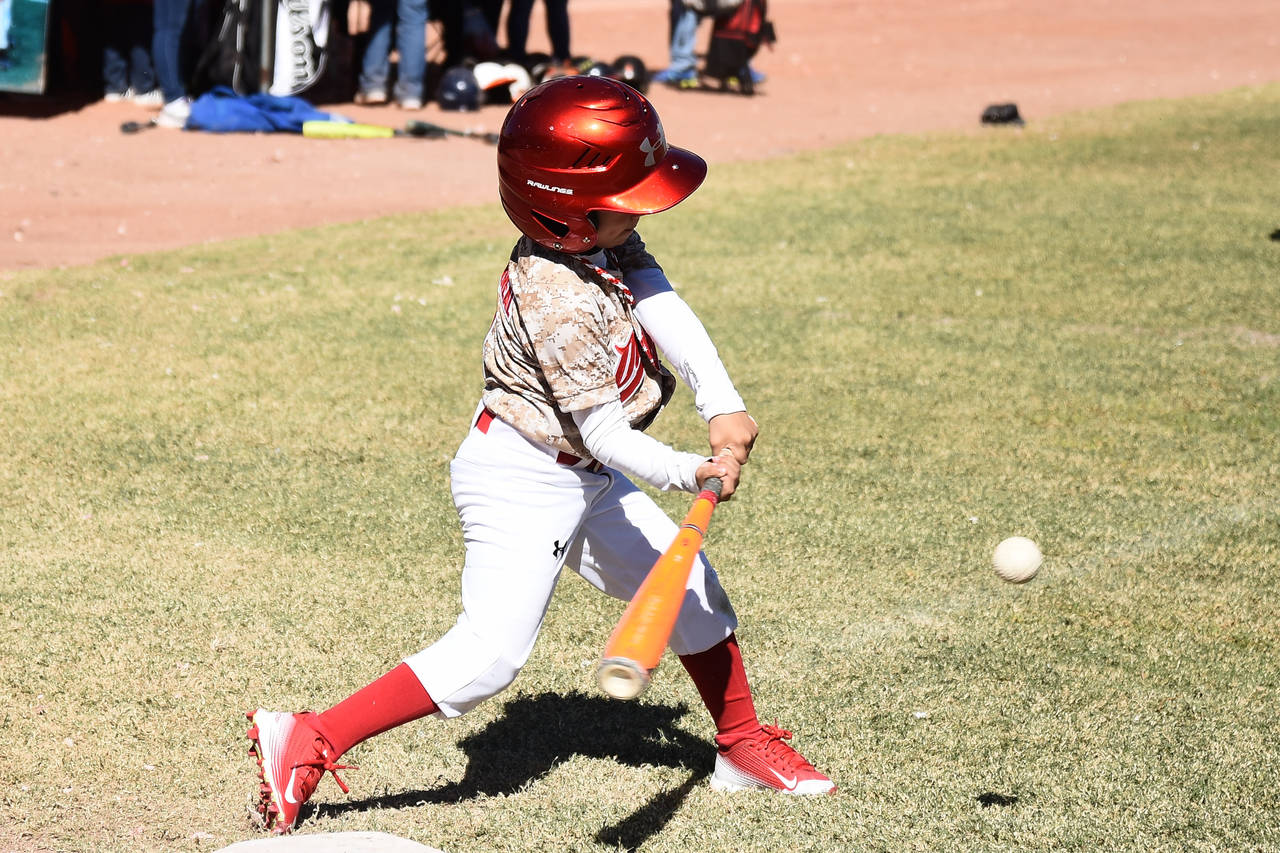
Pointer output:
x,y
74,189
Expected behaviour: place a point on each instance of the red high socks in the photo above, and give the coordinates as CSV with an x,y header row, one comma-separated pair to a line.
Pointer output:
x,y
721,680
393,700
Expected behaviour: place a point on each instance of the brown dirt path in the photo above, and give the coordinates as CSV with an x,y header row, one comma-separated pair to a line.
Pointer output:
x,y
74,189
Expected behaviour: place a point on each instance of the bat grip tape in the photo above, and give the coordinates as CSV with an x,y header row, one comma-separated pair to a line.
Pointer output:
x,y
712,486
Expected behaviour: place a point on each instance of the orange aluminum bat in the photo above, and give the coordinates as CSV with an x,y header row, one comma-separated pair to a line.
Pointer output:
x,y
638,641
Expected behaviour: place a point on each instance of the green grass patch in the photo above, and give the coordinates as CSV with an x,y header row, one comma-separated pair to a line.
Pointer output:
x,y
226,486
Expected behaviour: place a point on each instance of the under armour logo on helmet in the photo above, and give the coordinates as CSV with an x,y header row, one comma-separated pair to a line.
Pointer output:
x,y
649,148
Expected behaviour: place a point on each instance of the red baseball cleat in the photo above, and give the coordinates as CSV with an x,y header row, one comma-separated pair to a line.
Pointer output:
x,y
292,758
764,761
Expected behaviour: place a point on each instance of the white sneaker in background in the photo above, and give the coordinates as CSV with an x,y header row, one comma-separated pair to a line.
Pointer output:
x,y
175,113
371,96
151,100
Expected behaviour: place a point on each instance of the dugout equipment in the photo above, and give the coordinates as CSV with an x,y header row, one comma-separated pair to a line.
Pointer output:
x,y
263,47
459,91
521,82
1002,114
573,145
495,79
502,83
536,64
631,70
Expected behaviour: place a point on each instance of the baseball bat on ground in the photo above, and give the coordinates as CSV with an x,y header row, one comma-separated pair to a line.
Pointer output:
x,y
641,635
417,129
426,128
347,130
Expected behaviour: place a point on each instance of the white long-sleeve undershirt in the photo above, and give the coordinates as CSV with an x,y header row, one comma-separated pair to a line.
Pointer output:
x,y
687,347
611,440
684,342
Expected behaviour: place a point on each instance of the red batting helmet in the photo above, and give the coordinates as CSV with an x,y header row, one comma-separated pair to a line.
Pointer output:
x,y
573,145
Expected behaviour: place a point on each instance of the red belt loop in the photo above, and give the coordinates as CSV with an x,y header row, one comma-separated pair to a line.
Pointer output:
x,y
485,419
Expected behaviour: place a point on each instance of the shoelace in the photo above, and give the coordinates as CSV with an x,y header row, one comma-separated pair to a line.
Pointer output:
x,y
775,747
322,763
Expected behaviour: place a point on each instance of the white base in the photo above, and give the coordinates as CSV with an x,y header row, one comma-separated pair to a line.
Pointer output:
x,y
330,842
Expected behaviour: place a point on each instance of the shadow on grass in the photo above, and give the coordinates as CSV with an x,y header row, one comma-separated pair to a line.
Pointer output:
x,y
534,734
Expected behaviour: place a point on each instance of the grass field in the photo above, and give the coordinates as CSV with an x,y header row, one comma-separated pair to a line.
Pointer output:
x,y
225,486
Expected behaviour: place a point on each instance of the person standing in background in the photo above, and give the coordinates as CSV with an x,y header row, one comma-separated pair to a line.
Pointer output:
x,y
127,70
682,69
408,18
557,29
170,23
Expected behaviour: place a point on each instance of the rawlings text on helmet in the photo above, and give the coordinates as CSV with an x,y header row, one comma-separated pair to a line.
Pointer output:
x,y
565,190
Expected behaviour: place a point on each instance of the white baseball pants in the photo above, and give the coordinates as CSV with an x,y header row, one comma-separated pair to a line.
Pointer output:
x,y
524,517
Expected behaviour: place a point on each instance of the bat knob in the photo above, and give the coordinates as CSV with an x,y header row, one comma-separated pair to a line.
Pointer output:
x,y
622,678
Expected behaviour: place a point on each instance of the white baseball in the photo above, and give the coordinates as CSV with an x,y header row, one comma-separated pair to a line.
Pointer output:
x,y
1017,559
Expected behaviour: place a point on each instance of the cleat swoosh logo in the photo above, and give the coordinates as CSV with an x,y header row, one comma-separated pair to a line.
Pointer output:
x,y
288,789
789,784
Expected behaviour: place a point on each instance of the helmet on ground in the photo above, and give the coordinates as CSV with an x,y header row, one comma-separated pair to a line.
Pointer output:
x,y
630,70
521,82
490,75
495,81
458,90
553,71
579,144
535,63
598,69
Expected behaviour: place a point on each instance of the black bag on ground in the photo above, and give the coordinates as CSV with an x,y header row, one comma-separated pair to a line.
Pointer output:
x,y
736,36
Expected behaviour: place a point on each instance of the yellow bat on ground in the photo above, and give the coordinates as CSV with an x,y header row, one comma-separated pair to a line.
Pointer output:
x,y
347,130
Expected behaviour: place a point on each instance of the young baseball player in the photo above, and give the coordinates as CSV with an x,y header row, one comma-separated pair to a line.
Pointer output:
x,y
543,479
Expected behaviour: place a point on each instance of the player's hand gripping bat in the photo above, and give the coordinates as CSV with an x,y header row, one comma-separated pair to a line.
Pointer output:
x,y
641,636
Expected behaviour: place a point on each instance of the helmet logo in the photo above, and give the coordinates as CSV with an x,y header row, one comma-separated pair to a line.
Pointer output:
x,y
548,187
649,149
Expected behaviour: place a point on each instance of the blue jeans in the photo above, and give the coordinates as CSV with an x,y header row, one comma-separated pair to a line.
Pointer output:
x,y
684,38
126,52
170,17
411,43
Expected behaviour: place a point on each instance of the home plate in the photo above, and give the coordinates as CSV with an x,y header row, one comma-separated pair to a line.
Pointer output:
x,y
331,842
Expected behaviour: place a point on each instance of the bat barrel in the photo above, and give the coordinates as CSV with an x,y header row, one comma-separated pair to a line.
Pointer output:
x,y
622,678
640,637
